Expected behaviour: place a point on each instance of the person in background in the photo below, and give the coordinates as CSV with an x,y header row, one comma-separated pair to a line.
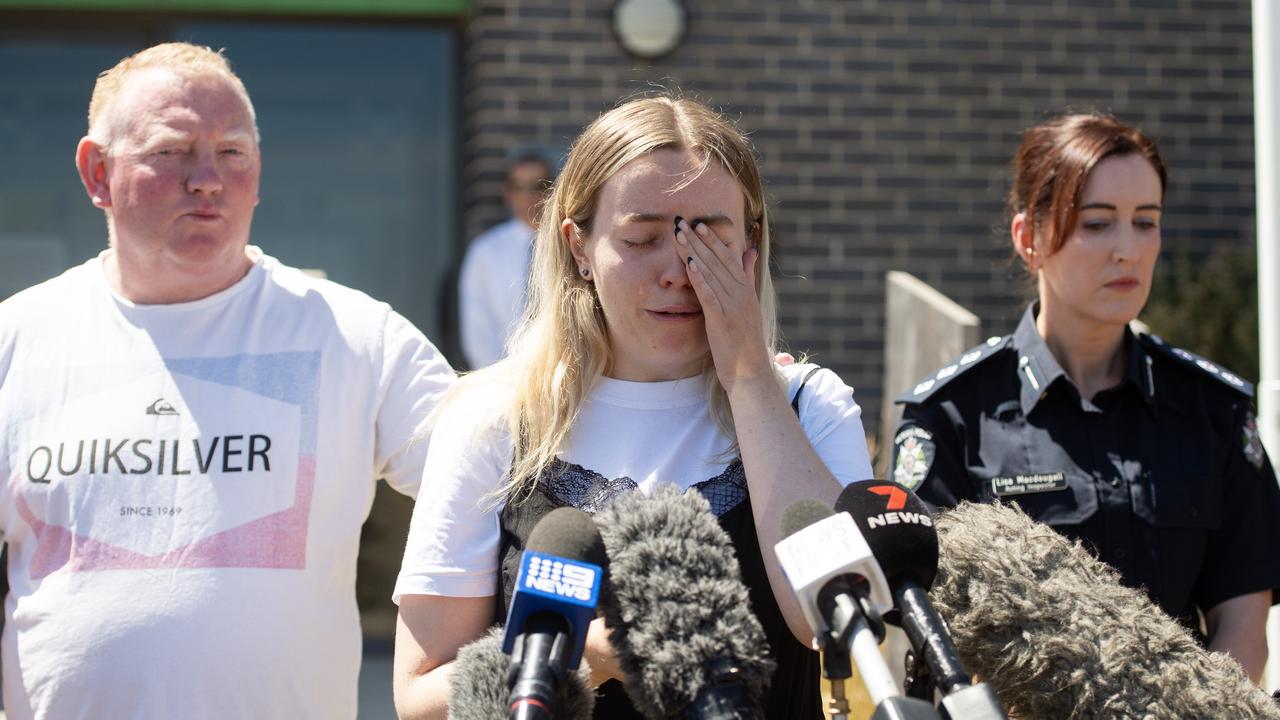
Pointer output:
x,y
495,271
192,433
1145,452
646,358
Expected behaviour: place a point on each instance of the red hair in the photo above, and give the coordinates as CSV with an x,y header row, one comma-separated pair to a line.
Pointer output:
x,y
1054,161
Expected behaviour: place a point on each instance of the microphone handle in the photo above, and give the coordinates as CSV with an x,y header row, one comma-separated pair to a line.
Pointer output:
x,y
722,703
542,655
864,647
928,635
724,698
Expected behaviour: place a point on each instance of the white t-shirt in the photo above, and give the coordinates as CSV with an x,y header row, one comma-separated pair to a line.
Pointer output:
x,y
652,433
491,290
185,489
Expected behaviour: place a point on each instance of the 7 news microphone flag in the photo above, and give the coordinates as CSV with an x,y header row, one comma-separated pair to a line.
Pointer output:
x,y
899,530
843,593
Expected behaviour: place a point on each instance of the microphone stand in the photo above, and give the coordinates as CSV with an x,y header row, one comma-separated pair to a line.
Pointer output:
x,y
855,635
837,664
961,699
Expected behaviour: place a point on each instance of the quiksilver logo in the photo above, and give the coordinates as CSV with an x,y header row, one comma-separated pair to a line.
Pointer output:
x,y
560,578
899,518
149,456
161,407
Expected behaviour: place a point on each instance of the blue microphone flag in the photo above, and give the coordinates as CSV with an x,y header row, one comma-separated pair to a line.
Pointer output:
x,y
550,583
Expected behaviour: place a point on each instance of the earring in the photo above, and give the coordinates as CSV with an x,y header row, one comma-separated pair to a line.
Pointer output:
x,y
586,274
1031,259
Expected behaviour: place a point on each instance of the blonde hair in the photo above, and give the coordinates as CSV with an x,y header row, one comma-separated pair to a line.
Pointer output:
x,y
185,59
561,348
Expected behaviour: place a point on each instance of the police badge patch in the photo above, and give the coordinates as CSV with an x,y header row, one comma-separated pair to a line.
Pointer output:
x,y
913,452
1253,442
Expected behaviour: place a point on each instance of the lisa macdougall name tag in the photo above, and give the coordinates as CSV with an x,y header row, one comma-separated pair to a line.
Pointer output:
x,y
1026,484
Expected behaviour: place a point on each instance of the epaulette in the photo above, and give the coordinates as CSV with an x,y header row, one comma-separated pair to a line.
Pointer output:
x,y
1189,359
954,369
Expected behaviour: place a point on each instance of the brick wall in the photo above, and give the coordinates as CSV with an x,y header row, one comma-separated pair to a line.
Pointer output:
x,y
885,128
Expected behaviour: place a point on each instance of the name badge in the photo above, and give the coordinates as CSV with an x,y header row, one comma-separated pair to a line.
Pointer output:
x,y
1030,483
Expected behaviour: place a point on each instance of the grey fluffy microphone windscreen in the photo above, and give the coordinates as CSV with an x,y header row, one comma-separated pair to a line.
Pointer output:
x,y
676,605
478,684
803,513
1057,636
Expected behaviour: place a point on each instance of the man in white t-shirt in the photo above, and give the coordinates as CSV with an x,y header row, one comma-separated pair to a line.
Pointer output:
x,y
192,432
495,271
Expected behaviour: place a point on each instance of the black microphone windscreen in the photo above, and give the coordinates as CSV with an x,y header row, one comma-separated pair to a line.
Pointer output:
x,y
803,513
569,533
898,528
677,608
1056,635
478,684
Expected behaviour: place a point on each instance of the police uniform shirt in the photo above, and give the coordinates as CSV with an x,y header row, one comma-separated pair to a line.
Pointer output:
x,y
1162,476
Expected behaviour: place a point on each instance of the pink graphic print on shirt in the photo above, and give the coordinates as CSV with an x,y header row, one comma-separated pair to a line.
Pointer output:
x,y
204,462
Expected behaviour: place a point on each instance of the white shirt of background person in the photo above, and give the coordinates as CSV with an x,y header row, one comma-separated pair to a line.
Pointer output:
x,y
494,277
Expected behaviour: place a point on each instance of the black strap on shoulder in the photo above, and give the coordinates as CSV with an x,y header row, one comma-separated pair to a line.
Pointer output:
x,y
795,401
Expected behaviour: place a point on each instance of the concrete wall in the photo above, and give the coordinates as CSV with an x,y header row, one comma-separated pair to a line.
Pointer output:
x,y
923,330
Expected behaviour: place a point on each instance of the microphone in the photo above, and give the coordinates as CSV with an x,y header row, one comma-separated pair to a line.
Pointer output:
x,y
843,594
899,529
680,619
551,608
478,689
1051,628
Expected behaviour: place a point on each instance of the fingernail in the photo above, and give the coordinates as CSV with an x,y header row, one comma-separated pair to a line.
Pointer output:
x,y
695,224
679,220
691,262
700,227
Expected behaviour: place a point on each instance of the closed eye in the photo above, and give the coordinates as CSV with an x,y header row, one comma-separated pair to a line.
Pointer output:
x,y
639,242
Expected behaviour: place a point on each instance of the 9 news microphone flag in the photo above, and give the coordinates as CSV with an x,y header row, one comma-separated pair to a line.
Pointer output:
x,y
551,609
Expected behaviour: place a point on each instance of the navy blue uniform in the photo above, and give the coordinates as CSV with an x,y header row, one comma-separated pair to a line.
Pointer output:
x,y
1162,476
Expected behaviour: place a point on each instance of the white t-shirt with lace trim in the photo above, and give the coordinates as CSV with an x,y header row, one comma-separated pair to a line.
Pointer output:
x,y
651,433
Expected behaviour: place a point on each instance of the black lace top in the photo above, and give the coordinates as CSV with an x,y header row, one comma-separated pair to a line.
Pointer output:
x,y
590,491
794,692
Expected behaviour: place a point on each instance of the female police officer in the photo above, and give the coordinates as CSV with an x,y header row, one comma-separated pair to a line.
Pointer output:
x,y
1145,452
